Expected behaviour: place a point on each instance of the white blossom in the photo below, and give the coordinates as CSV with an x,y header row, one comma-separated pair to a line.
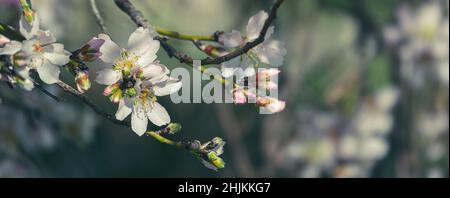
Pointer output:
x,y
270,52
136,79
39,51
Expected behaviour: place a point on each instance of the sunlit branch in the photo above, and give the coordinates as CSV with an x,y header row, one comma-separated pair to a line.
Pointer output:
x,y
182,36
137,17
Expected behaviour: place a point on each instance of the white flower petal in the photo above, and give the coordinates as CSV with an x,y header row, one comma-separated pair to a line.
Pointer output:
x,y
108,76
139,121
255,25
48,72
11,48
125,108
56,54
158,115
24,72
110,50
45,37
142,44
271,52
269,33
4,40
231,39
29,30
154,70
149,56
168,87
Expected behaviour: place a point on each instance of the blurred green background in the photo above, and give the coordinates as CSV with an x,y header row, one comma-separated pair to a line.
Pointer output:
x,y
356,106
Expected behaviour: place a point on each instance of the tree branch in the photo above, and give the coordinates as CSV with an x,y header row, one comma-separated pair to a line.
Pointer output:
x,y
188,37
137,17
98,16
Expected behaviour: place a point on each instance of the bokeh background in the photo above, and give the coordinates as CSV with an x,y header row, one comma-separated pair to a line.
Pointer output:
x,y
366,84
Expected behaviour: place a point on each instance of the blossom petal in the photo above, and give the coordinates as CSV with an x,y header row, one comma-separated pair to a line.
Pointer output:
x,y
11,48
24,72
269,33
110,50
108,76
158,115
125,108
271,52
45,37
153,70
142,44
149,56
139,121
4,39
231,39
29,30
168,87
48,72
56,54
255,25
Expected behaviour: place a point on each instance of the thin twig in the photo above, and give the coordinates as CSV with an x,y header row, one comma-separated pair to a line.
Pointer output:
x,y
98,16
46,92
67,88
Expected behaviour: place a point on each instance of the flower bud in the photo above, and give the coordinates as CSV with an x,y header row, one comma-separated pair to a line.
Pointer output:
x,y
174,128
215,160
91,51
131,92
4,40
27,12
82,80
110,89
29,15
116,96
271,105
266,73
239,97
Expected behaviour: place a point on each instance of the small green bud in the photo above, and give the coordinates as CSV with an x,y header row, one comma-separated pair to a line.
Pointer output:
x,y
131,92
174,128
116,96
215,160
126,72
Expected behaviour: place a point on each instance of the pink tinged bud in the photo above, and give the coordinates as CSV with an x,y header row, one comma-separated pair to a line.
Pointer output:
x,y
91,51
110,89
4,40
271,104
239,97
270,85
83,82
116,96
266,73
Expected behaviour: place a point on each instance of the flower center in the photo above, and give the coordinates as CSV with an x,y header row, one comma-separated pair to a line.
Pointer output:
x,y
126,62
38,47
146,96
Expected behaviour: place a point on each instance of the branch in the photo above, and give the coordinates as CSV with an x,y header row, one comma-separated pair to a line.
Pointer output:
x,y
67,88
98,16
188,37
137,17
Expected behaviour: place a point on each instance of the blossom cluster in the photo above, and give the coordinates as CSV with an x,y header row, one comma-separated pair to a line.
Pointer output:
x,y
135,78
268,55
